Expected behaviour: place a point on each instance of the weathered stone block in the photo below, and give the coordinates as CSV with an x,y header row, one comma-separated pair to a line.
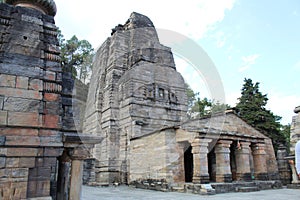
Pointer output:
x,y
51,141
39,162
22,82
7,80
36,84
21,152
5,173
19,131
2,162
16,92
21,105
43,188
20,70
52,121
22,140
3,117
52,108
27,162
3,151
53,152
47,133
23,119
49,161
51,97
20,190
1,102
19,172
50,76
12,162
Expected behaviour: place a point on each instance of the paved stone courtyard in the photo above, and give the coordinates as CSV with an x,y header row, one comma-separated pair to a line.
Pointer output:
x,y
124,192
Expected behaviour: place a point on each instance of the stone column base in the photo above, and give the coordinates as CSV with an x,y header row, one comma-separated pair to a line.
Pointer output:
x,y
40,198
201,179
261,176
223,178
243,177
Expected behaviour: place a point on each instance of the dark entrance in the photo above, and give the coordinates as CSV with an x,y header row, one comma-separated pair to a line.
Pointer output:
x,y
211,158
188,165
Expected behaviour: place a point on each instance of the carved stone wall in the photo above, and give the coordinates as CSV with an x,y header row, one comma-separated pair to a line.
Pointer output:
x,y
135,89
30,103
38,130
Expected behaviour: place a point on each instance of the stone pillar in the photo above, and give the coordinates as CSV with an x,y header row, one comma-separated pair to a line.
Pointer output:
x,y
283,165
77,148
243,171
295,130
260,162
63,180
76,179
200,151
223,170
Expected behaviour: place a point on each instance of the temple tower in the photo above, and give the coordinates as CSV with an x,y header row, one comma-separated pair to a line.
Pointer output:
x,y
37,132
135,90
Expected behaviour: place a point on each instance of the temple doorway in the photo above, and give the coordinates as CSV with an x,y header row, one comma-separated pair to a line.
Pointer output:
x,y
211,159
233,147
188,164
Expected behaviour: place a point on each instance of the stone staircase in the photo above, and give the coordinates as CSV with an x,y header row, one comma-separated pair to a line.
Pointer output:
x,y
210,189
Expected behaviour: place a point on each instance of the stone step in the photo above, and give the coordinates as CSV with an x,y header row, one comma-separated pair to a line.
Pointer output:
x,y
247,189
178,189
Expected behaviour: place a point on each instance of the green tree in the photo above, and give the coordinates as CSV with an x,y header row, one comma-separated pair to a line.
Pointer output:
x,y
251,108
198,107
219,107
77,57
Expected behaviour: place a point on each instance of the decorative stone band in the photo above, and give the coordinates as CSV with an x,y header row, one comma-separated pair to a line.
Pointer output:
x,y
50,29
4,21
52,87
47,7
52,57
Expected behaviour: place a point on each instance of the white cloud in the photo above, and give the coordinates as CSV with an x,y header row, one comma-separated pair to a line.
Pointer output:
x,y
94,19
248,61
283,105
231,98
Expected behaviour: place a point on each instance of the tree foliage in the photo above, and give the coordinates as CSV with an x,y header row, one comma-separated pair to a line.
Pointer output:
x,y
251,108
77,57
198,107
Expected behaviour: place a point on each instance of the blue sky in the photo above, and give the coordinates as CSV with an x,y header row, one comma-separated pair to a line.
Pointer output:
x,y
257,39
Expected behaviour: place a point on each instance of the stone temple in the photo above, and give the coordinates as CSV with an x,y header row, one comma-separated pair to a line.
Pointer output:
x,y
134,129
137,102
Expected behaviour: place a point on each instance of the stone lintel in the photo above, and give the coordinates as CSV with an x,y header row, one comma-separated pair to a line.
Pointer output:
x,y
81,138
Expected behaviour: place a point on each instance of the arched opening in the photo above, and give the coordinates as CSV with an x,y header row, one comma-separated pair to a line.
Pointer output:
x,y
188,164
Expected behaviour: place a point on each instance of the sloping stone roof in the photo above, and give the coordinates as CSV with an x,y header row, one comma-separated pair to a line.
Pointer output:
x,y
228,123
